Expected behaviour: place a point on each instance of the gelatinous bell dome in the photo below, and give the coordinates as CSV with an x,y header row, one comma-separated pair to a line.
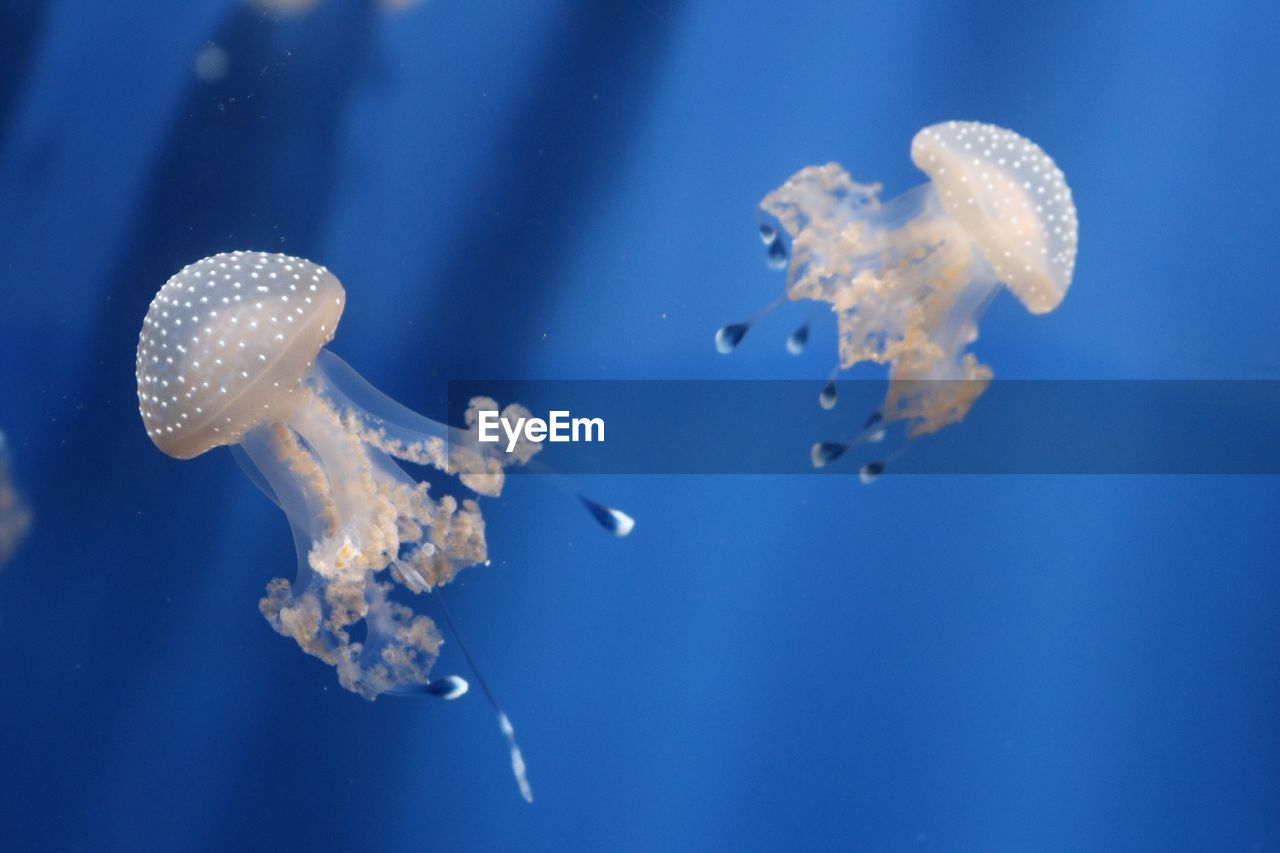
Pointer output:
x,y
226,343
1013,201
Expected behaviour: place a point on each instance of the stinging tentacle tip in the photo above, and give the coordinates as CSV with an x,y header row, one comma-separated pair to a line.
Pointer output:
x,y
777,258
825,452
450,687
777,250
729,336
870,472
615,521
872,431
799,338
827,399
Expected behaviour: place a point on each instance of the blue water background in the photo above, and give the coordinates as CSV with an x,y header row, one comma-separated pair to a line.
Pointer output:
x,y
567,190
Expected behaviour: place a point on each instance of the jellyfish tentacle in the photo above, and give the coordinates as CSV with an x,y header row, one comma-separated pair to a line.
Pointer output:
x,y
799,339
730,335
874,431
615,521
250,470
449,687
871,471
354,513
231,352
518,768
823,453
374,410
404,434
612,519
830,393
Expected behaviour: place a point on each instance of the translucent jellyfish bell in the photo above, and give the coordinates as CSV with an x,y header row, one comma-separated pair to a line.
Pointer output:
x,y
908,279
1011,200
232,353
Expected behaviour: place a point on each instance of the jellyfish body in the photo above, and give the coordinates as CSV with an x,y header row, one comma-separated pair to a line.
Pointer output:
x,y
15,517
362,525
908,279
231,352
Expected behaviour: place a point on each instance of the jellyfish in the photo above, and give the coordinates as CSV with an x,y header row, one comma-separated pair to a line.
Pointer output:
x,y
233,352
15,517
908,279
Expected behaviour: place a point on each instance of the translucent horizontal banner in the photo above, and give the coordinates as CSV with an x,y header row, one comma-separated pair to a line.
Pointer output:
x,y
779,427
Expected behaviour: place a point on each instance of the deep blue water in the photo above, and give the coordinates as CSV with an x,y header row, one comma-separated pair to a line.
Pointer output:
x,y
567,190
